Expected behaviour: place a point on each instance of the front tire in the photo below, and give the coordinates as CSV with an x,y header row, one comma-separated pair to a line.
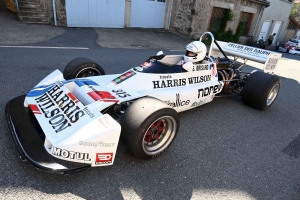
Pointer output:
x,y
82,67
149,126
261,90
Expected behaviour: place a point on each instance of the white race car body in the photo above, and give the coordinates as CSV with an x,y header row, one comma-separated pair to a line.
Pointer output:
x,y
63,125
70,111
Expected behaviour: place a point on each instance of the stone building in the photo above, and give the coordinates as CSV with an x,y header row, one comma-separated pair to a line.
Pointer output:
x,y
60,11
193,17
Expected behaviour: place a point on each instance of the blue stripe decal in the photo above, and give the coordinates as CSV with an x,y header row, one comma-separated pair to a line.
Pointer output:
x,y
83,82
40,90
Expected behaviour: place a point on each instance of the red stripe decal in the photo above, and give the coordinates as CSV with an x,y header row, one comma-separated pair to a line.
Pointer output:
x,y
34,109
102,96
72,96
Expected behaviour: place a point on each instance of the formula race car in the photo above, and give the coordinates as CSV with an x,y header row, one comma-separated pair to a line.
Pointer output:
x,y
73,120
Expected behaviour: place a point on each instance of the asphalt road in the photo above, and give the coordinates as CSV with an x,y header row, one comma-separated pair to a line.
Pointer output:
x,y
224,149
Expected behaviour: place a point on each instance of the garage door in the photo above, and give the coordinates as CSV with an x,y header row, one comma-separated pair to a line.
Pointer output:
x,y
276,30
264,30
148,13
95,13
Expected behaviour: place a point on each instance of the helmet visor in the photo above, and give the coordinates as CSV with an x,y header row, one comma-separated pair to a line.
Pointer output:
x,y
190,54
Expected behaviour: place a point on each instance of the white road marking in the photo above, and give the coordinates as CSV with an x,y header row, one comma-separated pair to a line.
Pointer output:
x,y
221,194
43,47
129,194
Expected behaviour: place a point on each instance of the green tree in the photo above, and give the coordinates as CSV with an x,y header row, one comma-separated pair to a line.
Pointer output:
x,y
228,36
295,10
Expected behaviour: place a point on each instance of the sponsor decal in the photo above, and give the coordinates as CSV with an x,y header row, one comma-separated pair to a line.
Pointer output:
x,y
200,67
147,64
40,90
96,144
199,79
178,102
123,77
165,77
247,49
102,96
198,103
84,82
203,92
121,93
107,123
88,112
169,83
103,158
271,63
70,154
180,82
35,109
214,71
67,112
72,96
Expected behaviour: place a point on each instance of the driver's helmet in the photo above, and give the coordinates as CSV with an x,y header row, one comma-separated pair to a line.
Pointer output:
x,y
195,51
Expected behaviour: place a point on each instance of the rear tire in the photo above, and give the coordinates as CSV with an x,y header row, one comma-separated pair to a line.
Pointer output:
x,y
82,67
261,90
149,126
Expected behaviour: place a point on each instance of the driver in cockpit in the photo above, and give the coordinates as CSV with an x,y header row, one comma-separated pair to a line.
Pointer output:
x,y
194,55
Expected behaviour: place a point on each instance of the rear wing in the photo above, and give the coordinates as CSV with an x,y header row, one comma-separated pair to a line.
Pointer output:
x,y
268,58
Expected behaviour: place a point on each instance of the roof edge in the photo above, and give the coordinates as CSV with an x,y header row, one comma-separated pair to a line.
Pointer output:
x,y
263,2
294,21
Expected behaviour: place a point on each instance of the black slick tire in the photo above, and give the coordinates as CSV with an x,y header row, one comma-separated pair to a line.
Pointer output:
x,y
82,67
149,126
261,90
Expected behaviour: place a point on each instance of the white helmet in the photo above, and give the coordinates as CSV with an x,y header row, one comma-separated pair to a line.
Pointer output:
x,y
198,50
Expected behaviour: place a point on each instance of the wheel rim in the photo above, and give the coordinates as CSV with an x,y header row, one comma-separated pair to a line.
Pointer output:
x,y
88,71
273,94
159,135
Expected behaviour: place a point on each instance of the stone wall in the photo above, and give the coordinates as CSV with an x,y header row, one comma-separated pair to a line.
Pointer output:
x,y
192,17
60,5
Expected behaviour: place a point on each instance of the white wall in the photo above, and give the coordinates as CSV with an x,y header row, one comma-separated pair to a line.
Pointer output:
x,y
279,10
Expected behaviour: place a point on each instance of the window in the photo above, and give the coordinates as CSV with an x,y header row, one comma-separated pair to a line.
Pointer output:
x,y
216,19
291,26
246,19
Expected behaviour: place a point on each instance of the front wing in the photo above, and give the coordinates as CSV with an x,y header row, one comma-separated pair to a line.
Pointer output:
x,y
29,140
49,136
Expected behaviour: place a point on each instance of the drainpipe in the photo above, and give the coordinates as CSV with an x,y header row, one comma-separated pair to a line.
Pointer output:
x,y
17,4
54,12
257,21
170,15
